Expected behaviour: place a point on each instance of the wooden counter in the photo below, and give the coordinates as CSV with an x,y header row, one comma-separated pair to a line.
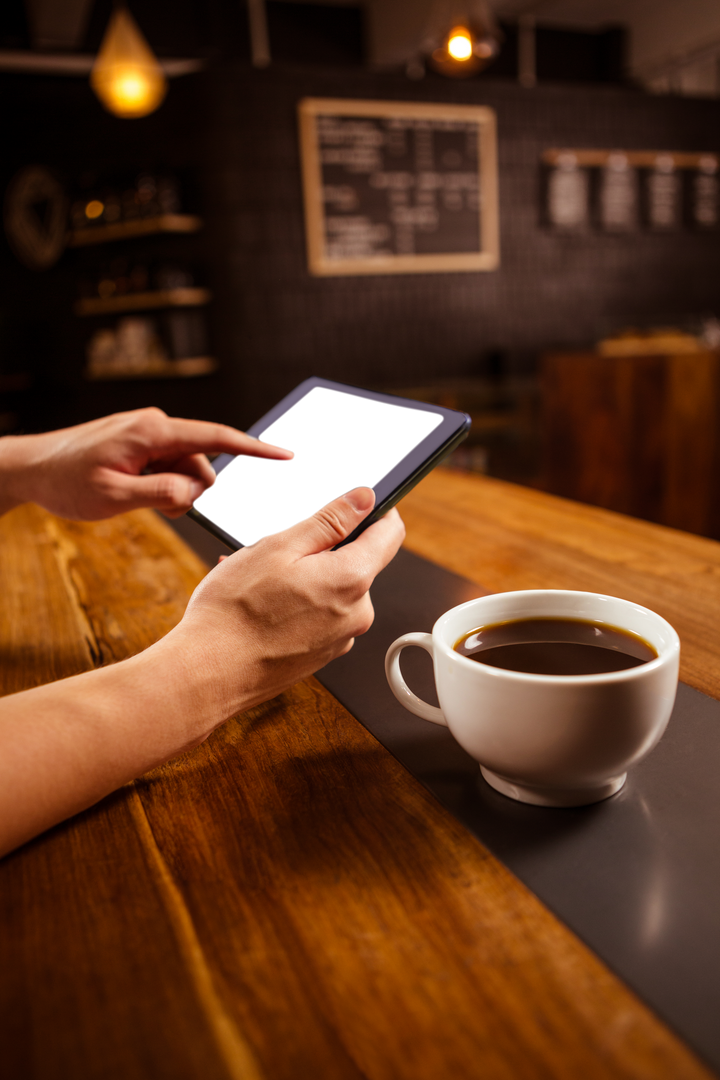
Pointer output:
x,y
286,901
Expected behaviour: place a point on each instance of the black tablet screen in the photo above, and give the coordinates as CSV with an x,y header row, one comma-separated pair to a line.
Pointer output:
x,y
340,442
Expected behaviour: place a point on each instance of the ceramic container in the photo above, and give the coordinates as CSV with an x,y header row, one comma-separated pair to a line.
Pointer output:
x,y
552,740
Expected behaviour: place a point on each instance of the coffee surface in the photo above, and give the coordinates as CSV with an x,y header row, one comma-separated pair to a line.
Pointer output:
x,y
555,647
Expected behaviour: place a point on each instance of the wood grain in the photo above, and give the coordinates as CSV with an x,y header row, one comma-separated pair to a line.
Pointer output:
x,y
93,979
401,947
287,901
44,634
93,982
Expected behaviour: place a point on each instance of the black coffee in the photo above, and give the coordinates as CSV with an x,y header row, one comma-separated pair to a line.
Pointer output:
x,y
555,647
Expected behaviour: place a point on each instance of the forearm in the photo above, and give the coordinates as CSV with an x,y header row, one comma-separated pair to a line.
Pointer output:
x,y
66,745
16,471
266,617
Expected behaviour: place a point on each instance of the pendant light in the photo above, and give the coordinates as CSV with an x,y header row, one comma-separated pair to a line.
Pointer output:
x,y
126,75
461,38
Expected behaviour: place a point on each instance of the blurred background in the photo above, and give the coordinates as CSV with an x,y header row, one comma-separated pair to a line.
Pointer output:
x,y
159,257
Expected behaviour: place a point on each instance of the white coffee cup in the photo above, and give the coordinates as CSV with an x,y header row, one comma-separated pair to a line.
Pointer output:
x,y
552,740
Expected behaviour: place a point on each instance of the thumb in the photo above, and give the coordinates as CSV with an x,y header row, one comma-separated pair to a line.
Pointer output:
x,y
160,491
333,523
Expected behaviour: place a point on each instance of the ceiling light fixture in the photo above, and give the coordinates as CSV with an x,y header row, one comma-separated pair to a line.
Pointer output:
x,y
462,37
126,75
460,44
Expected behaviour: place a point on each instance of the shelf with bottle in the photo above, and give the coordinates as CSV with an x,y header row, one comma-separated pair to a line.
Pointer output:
x,y
129,230
144,301
188,368
171,340
125,209
124,286
170,345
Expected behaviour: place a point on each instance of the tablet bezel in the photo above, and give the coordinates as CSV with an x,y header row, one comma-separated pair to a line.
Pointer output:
x,y
451,431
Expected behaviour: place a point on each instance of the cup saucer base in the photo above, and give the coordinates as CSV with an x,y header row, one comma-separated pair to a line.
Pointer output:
x,y
551,796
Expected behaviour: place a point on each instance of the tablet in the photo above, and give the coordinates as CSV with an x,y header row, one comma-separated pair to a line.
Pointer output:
x,y
342,437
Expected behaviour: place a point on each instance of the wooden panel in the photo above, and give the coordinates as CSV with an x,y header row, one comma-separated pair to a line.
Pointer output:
x,y
644,382
637,434
586,442
692,421
286,900
603,426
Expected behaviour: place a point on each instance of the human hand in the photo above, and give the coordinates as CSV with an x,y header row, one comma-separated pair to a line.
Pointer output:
x,y
273,613
134,459
267,616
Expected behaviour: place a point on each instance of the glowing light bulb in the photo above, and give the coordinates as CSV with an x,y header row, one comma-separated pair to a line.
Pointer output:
x,y
126,76
460,45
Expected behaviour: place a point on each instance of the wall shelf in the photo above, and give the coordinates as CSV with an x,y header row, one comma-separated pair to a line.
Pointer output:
x,y
143,301
640,159
188,368
127,230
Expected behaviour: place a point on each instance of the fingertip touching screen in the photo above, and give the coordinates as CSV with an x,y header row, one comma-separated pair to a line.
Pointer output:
x,y
340,441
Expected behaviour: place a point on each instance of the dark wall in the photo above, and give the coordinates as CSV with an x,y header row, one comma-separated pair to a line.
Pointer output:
x,y
276,324
58,122
234,128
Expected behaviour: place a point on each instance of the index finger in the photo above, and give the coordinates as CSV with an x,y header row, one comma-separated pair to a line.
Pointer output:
x,y
201,436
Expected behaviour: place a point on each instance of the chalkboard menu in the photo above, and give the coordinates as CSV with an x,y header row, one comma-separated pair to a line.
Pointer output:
x,y
397,187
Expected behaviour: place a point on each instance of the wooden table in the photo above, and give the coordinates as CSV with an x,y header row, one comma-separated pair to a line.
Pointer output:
x,y
286,901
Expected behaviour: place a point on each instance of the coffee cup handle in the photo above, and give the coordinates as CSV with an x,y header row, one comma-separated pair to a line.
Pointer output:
x,y
400,688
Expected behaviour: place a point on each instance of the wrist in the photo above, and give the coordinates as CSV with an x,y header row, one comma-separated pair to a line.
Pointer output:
x,y
197,682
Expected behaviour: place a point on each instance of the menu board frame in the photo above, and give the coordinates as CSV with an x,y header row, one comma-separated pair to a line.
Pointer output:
x,y
487,257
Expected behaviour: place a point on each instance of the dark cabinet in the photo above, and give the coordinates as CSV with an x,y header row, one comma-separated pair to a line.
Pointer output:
x,y
637,434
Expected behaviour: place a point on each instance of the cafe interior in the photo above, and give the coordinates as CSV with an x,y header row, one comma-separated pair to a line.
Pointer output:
x,y
505,208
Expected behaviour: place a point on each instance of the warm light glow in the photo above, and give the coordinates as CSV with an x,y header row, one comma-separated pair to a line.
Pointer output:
x,y
94,209
460,44
126,75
